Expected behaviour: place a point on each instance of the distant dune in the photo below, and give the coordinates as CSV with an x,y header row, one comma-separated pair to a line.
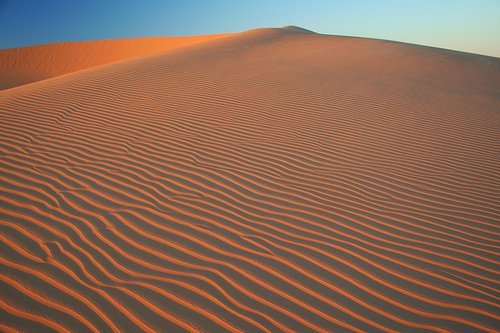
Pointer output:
x,y
274,180
33,63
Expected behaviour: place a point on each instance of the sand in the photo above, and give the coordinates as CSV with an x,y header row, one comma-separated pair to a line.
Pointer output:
x,y
273,180
23,65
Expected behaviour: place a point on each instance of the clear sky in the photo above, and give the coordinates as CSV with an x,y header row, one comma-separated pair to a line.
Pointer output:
x,y
466,25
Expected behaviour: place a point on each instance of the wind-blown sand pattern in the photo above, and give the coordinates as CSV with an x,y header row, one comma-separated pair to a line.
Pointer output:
x,y
24,65
274,180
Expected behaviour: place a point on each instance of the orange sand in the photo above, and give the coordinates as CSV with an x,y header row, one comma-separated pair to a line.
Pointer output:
x,y
33,63
274,180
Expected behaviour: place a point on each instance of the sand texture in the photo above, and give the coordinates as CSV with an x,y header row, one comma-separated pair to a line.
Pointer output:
x,y
273,180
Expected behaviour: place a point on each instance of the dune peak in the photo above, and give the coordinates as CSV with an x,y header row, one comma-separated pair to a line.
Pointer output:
x,y
298,29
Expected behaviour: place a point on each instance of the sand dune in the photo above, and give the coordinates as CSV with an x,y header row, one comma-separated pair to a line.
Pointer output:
x,y
274,180
34,63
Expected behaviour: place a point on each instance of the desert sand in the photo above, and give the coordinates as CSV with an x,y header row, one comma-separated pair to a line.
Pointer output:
x,y
274,180
24,65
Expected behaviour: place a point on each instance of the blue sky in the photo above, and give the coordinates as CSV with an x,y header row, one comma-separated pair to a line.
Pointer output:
x,y
466,25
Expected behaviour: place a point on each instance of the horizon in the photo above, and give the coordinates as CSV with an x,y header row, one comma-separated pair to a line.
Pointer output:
x,y
455,25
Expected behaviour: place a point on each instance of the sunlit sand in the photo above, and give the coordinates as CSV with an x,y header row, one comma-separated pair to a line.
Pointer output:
x,y
273,180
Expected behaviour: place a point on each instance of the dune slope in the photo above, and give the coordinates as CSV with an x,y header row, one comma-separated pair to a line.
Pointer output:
x,y
23,65
273,181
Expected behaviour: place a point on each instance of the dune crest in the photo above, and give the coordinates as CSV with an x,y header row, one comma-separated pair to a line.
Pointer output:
x,y
269,181
298,29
